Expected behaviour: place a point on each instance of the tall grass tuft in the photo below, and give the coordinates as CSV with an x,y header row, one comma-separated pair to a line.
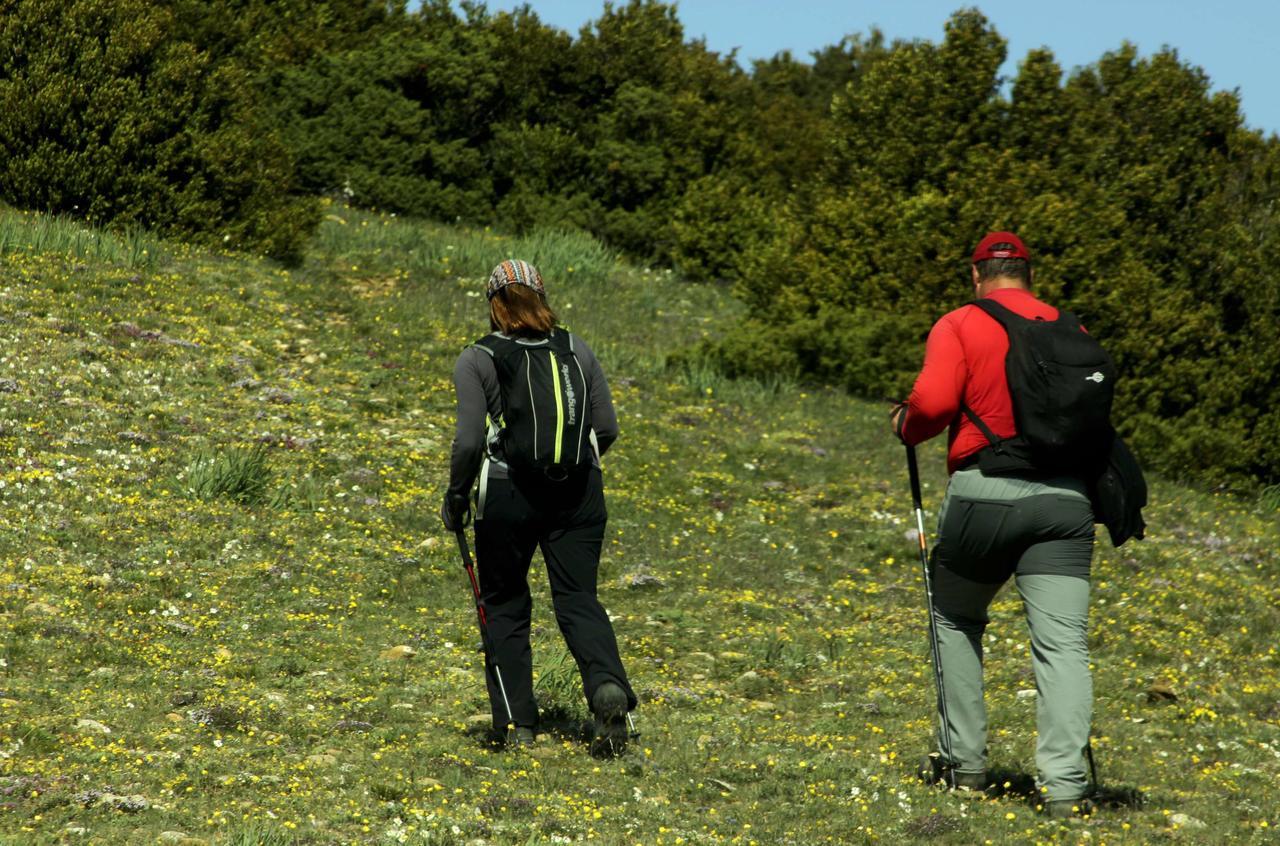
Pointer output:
x,y
700,375
559,688
255,834
240,475
34,232
304,494
704,376
429,249
1269,498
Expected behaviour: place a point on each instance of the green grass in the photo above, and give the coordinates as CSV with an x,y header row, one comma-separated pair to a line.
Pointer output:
x,y
241,475
228,632
35,233
1269,498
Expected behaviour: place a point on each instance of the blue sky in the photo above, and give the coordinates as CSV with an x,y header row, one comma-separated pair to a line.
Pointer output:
x,y
1236,42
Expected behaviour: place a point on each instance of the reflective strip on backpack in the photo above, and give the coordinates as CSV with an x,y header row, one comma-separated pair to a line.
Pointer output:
x,y
533,409
582,427
555,382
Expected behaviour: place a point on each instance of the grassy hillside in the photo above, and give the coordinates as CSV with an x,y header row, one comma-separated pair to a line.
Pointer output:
x,y
218,490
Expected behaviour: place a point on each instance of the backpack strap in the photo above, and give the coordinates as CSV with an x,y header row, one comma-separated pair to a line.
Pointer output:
x,y
997,443
1004,315
493,344
498,346
999,313
560,342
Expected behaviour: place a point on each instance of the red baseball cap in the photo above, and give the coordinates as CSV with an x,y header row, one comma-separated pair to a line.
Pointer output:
x,y
1013,247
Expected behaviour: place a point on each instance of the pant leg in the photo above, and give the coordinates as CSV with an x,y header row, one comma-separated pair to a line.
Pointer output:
x,y
960,608
572,553
1053,578
506,536
1058,615
970,562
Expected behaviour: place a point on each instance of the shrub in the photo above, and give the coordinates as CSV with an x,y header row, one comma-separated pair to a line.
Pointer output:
x,y
106,114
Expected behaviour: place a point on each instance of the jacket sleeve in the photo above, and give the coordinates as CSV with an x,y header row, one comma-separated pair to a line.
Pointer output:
x,y
604,419
935,399
470,430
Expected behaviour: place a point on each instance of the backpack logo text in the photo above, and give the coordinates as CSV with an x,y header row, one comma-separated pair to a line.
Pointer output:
x,y
570,397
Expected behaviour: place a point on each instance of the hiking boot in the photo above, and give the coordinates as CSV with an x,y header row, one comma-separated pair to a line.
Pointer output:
x,y
609,705
521,737
933,771
1065,809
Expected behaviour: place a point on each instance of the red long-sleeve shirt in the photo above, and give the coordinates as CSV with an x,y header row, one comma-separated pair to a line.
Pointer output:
x,y
964,360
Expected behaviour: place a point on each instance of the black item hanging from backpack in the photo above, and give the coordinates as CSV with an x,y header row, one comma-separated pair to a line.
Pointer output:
x,y
1119,493
544,434
1062,383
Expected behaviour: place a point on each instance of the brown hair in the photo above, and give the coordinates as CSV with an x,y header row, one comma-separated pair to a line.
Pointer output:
x,y
522,312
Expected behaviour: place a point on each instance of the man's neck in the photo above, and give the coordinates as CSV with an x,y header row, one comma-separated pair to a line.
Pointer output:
x,y
989,285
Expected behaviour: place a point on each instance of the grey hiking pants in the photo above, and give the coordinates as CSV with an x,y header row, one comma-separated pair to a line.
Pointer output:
x,y
1041,532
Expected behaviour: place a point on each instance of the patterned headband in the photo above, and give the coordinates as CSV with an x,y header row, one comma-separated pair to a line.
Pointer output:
x,y
514,272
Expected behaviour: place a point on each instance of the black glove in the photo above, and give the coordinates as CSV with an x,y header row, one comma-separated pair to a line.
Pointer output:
x,y
455,513
898,419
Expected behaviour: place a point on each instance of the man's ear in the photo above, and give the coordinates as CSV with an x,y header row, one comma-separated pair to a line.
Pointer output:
x,y
973,269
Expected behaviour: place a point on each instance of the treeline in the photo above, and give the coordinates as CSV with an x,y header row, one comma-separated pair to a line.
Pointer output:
x,y
840,194
1150,209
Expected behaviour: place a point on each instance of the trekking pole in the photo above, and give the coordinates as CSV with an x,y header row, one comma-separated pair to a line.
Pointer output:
x,y
489,661
1093,768
913,470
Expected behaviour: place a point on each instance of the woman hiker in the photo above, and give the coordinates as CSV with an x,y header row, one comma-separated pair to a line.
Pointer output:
x,y
534,417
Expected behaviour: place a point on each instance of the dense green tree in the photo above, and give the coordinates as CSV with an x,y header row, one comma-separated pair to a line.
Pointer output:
x,y
265,35
499,117
780,140
397,123
654,113
107,114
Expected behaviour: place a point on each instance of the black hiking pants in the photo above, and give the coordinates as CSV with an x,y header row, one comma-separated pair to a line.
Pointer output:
x,y
570,534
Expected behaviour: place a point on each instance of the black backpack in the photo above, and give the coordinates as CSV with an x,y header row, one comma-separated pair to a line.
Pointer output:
x,y
544,432
1062,383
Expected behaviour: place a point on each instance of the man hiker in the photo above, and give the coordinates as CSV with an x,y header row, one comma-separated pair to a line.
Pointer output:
x,y
534,417
1013,507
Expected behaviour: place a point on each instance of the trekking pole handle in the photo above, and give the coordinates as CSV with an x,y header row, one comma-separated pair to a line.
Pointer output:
x,y
913,470
463,547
